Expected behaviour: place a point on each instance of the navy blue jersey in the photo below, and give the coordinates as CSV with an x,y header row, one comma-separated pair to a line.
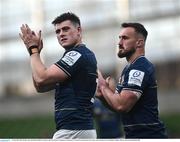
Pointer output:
x,y
142,121
74,97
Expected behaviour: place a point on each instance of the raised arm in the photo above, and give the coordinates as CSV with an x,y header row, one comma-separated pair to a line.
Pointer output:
x,y
44,78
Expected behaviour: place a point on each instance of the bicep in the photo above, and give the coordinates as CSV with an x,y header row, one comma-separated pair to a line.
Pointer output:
x,y
55,74
51,75
43,88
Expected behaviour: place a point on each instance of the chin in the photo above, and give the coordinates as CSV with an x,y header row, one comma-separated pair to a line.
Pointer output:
x,y
121,55
67,46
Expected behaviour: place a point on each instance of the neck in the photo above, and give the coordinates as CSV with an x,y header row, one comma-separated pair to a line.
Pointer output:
x,y
131,60
80,42
73,45
134,56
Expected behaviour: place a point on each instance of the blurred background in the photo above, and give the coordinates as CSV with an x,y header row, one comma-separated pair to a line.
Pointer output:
x,y
27,114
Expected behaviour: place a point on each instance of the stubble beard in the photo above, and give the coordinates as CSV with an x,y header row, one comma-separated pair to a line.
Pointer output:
x,y
124,53
68,46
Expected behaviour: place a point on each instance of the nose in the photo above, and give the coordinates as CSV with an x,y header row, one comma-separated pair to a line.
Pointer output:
x,y
120,42
61,34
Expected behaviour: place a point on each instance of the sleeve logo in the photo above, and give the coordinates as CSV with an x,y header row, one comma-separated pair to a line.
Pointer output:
x,y
135,77
71,57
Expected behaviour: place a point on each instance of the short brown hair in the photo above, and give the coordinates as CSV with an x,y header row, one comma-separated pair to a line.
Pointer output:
x,y
67,16
139,28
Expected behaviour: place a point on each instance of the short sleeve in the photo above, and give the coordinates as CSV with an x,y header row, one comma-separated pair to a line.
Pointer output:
x,y
135,80
70,62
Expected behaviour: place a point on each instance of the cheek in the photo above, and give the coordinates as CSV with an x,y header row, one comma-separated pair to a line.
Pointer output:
x,y
130,44
74,36
58,37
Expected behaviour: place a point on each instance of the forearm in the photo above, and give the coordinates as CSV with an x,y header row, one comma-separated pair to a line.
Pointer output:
x,y
33,42
105,103
44,88
38,68
111,98
106,91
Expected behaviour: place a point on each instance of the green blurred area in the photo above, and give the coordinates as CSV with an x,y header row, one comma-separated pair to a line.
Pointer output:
x,y
44,126
172,124
33,127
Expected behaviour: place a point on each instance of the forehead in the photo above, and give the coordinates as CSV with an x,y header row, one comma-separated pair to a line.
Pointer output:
x,y
66,23
128,31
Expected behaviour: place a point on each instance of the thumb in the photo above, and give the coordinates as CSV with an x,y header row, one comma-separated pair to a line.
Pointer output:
x,y
39,34
108,79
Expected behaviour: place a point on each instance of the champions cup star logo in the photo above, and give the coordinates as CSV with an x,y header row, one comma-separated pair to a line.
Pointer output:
x,y
72,53
135,77
71,57
136,74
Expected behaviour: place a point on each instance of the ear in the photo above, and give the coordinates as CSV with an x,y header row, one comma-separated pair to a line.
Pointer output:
x,y
79,30
140,43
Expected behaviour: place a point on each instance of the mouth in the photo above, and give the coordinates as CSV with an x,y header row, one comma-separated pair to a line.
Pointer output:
x,y
63,40
121,48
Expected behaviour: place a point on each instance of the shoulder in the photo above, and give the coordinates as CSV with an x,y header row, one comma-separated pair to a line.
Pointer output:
x,y
76,51
139,72
140,68
70,57
82,48
143,64
87,54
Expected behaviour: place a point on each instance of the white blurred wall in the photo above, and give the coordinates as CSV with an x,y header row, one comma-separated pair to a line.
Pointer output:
x,y
101,24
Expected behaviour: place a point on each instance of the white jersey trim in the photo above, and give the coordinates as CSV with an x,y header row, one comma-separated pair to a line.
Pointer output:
x,y
141,124
63,69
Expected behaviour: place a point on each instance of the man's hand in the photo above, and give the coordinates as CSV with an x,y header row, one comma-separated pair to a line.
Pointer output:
x,y
101,83
32,41
111,83
98,93
101,80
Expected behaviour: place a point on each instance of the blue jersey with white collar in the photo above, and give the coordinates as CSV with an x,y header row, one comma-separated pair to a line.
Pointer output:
x,y
142,121
74,97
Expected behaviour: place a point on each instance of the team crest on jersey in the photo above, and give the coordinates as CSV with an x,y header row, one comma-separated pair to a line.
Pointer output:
x,y
71,57
135,77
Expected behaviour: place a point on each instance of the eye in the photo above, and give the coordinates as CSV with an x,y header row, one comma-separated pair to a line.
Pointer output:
x,y
65,29
123,37
57,31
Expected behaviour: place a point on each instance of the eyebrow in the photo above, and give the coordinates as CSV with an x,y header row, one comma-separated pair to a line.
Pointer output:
x,y
123,36
63,28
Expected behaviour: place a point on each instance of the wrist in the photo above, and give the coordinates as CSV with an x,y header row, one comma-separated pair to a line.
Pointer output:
x,y
33,49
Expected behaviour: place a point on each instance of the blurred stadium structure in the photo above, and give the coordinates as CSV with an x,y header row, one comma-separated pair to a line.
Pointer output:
x,y
101,21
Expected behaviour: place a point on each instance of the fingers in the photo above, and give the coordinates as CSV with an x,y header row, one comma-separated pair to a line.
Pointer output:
x,y
23,29
21,36
39,34
108,79
30,38
100,74
28,30
33,33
